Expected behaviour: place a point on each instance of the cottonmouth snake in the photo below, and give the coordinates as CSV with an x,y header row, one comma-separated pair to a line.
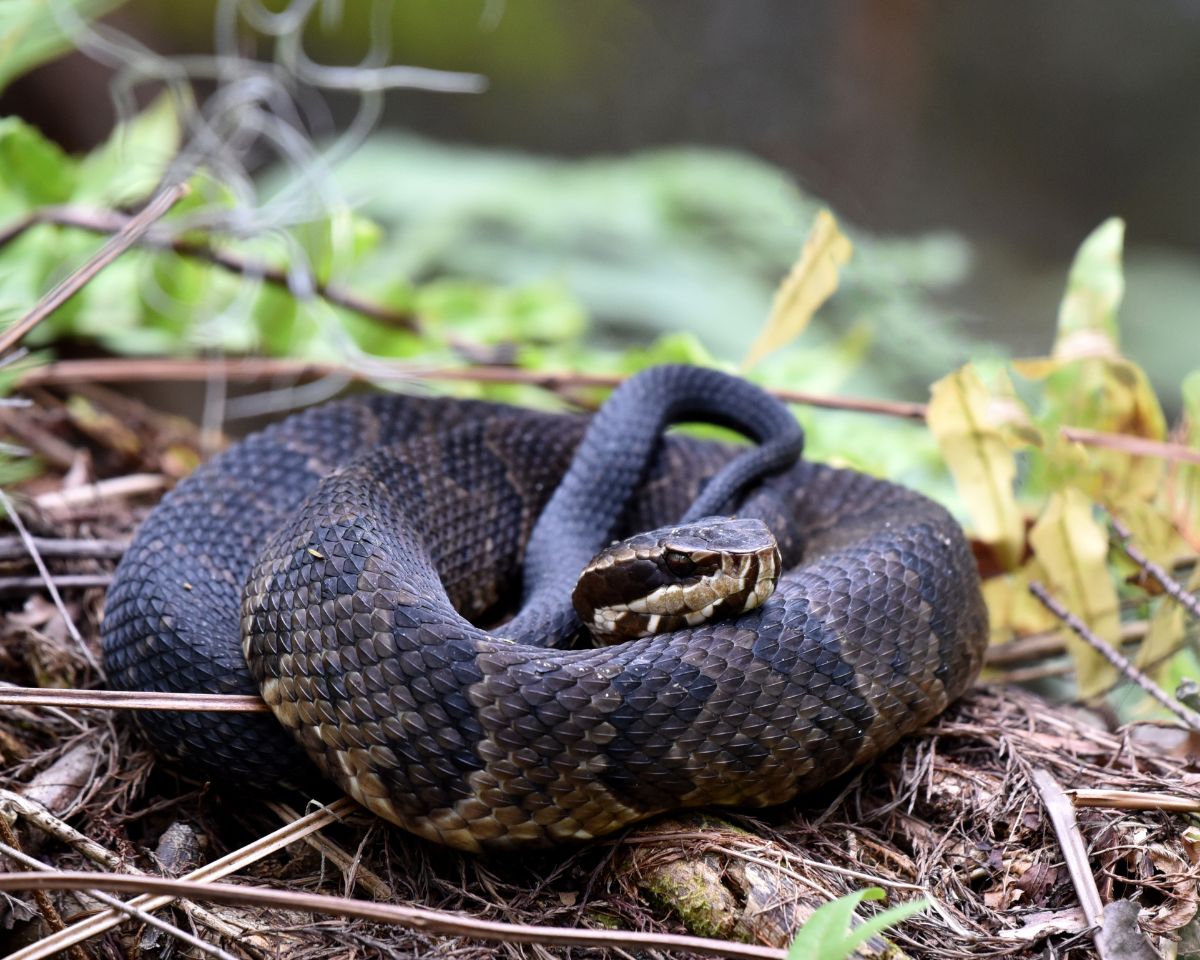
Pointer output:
x,y
485,744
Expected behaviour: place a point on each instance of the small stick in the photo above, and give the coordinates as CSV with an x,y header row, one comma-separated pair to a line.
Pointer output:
x,y
1135,800
45,578
256,368
13,548
432,921
1039,646
1172,587
63,581
1066,828
131,485
112,222
121,241
131,700
1134,446
1117,659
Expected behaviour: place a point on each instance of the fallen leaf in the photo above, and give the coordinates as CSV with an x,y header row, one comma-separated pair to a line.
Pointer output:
x,y
1072,548
811,282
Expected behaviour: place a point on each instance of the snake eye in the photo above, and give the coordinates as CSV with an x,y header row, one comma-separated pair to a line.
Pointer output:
x,y
680,564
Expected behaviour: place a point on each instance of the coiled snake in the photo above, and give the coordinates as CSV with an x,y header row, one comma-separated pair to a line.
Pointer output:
x,y
352,543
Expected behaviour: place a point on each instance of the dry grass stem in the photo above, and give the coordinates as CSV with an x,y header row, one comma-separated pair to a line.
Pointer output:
x,y
92,494
14,548
1117,659
1133,800
131,700
125,370
1172,587
433,921
121,241
1062,814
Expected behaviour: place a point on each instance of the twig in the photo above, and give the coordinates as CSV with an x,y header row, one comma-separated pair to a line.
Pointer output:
x,y
64,581
1134,446
98,923
112,222
131,485
1172,587
1135,800
1062,816
45,578
131,700
111,901
1038,646
257,368
1117,659
13,548
432,921
13,805
121,370
121,241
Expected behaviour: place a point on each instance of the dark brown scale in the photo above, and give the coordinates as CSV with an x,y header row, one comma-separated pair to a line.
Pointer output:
x,y
465,739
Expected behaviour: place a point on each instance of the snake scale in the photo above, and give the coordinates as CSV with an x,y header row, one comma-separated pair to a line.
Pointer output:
x,y
389,522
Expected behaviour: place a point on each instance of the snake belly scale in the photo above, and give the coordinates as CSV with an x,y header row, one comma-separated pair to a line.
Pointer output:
x,y
358,636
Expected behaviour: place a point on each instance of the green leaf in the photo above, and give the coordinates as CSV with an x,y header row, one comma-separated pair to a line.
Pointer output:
x,y
827,935
333,245
967,422
36,172
30,32
811,281
131,163
1087,317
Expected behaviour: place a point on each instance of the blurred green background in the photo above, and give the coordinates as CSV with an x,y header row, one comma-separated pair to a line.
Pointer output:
x,y
996,135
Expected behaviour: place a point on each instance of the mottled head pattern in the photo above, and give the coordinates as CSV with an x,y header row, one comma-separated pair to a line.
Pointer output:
x,y
677,577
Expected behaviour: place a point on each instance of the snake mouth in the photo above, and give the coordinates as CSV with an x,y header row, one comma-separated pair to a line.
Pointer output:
x,y
677,577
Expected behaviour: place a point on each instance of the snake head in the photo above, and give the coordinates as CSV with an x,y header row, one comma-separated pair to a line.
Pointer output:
x,y
676,577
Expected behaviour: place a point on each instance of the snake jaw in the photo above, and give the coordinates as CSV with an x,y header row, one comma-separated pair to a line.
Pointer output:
x,y
677,577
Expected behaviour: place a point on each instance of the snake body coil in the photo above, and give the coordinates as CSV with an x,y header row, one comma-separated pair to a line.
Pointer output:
x,y
353,618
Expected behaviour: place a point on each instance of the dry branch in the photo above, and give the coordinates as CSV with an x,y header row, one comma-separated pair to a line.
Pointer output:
x,y
131,370
131,700
121,241
73,548
432,921
1117,659
1172,587
112,222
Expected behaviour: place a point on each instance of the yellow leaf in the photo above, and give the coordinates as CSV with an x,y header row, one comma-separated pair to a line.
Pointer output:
x,y
811,282
969,429
1073,551
1109,394
1012,610
1183,490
